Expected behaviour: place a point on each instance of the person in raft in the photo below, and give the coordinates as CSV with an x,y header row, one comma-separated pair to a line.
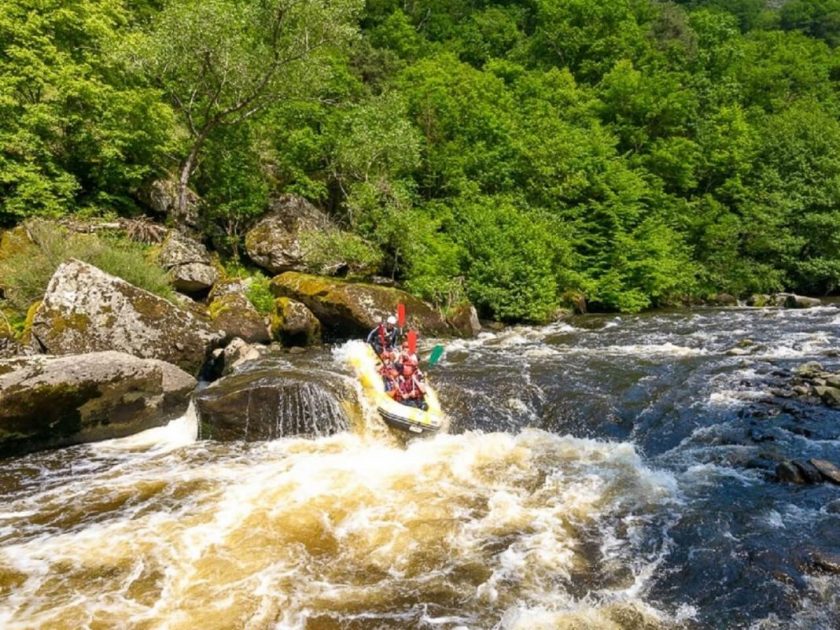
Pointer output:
x,y
412,391
383,338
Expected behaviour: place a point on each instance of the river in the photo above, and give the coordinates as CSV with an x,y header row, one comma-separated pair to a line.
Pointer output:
x,y
602,472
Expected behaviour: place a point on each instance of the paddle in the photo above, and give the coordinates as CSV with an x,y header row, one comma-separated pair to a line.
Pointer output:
x,y
437,353
412,341
401,315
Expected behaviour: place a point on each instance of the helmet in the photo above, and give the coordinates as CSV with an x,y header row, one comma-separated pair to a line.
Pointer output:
x,y
391,320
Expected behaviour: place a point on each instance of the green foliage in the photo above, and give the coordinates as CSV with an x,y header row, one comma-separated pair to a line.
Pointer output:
x,y
259,294
75,128
633,151
26,271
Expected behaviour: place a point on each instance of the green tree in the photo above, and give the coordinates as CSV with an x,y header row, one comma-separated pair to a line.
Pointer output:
x,y
221,62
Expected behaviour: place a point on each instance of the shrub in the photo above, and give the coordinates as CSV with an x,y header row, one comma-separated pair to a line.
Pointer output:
x,y
26,270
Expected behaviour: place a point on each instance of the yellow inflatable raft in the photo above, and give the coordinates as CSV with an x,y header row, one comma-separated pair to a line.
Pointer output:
x,y
395,414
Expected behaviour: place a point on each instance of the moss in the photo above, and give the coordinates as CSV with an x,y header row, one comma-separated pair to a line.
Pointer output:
x,y
26,334
219,306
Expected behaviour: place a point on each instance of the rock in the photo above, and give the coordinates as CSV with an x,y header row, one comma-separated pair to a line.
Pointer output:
x,y
759,300
162,197
9,347
828,470
353,309
238,352
294,324
809,471
723,299
47,402
826,561
284,240
829,395
576,300
833,507
809,370
787,471
188,263
791,300
235,316
274,402
230,285
87,310
464,319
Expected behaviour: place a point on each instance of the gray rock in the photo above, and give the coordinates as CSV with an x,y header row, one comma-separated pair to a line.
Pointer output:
x,y
274,402
235,316
162,197
283,240
354,308
9,348
829,395
828,470
723,299
464,319
808,370
833,507
809,471
294,324
791,300
238,352
826,561
787,471
47,402
188,263
87,310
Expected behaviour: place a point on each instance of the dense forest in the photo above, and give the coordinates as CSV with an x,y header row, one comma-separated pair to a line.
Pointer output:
x,y
518,154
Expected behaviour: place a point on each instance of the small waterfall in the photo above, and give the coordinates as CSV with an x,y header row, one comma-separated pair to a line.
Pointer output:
x,y
306,409
269,404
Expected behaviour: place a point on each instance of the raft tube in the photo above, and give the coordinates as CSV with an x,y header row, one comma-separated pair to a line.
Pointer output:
x,y
396,414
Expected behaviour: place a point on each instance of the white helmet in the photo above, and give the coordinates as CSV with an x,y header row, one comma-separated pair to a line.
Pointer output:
x,y
392,320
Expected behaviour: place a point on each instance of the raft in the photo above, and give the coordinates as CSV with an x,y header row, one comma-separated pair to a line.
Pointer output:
x,y
394,413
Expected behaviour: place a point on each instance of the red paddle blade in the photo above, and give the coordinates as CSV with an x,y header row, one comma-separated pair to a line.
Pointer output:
x,y
412,341
401,315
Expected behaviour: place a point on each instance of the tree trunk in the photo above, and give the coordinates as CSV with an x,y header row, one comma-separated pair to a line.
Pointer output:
x,y
187,169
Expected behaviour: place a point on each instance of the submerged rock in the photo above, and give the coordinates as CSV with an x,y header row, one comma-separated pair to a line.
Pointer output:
x,y
273,402
87,310
352,309
47,402
828,470
789,472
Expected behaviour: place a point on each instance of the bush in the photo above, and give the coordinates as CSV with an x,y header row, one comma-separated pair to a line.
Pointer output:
x,y
27,268
259,294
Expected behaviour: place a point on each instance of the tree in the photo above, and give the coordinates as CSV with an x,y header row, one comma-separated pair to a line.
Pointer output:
x,y
222,62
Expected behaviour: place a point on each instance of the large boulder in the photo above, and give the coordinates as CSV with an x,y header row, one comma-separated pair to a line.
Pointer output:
x,y
188,263
297,236
273,401
87,310
293,324
162,197
352,309
235,316
46,402
464,320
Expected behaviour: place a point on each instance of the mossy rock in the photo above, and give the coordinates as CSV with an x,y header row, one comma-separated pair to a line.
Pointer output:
x,y
46,402
86,310
353,309
293,324
235,316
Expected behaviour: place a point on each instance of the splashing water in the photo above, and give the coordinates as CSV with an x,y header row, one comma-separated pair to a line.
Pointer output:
x,y
599,476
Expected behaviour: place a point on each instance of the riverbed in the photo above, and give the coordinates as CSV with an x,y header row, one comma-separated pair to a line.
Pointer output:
x,y
603,472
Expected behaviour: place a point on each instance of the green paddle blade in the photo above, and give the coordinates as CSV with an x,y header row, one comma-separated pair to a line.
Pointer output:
x,y
434,357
